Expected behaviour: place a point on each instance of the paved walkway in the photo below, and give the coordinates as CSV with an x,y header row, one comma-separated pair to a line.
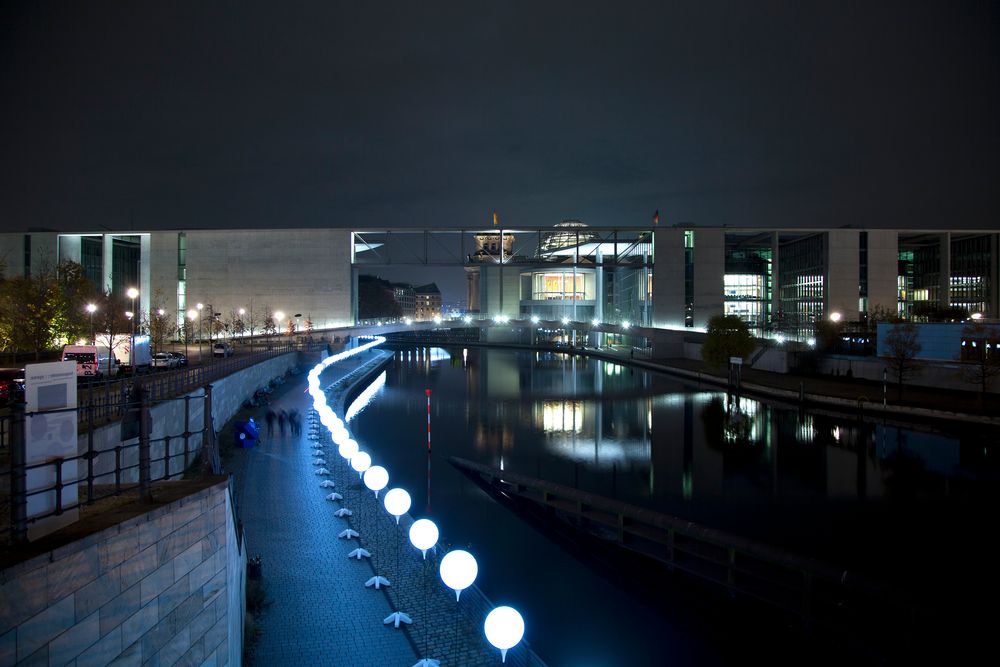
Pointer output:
x,y
322,613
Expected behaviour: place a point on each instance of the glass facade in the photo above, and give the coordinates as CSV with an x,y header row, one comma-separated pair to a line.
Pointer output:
x,y
801,281
560,286
125,256
969,285
92,259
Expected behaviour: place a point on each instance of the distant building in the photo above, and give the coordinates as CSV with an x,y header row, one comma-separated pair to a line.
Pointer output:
x,y
406,298
428,302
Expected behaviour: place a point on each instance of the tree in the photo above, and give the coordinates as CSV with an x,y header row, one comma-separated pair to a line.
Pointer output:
x,y
981,356
290,327
727,336
267,323
159,322
309,325
902,348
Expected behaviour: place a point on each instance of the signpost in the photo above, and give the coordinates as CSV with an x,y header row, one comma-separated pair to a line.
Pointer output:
x,y
50,435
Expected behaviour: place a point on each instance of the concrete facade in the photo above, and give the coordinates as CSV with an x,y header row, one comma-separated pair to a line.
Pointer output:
x,y
292,271
842,273
668,278
883,263
153,589
709,269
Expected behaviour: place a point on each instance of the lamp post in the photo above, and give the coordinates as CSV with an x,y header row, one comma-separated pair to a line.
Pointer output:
x,y
243,331
278,316
92,308
132,294
199,306
191,314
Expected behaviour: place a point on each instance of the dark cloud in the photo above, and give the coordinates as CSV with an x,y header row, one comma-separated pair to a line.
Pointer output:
x,y
263,114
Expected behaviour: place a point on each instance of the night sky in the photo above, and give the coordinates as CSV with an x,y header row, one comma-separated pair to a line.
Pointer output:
x,y
379,114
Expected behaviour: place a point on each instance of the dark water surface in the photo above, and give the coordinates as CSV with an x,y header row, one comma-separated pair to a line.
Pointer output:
x,y
909,506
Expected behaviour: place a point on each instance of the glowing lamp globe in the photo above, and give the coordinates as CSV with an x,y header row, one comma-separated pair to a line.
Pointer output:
x,y
504,628
376,478
397,503
360,462
348,449
458,571
423,535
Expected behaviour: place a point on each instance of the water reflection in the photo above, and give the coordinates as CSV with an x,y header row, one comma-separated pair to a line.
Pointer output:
x,y
848,491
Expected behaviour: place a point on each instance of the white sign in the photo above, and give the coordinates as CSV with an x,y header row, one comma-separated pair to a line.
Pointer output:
x,y
736,361
50,434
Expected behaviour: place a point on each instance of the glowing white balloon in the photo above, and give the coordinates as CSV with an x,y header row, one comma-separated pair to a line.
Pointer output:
x,y
459,570
347,449
397,503
360,462
376,478
504,629
423,535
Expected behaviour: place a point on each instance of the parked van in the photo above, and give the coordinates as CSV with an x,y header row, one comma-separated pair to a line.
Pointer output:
x,y
92,362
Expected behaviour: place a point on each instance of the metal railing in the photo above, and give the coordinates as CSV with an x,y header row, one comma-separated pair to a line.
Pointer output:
x,y
809,589
103,402
134,463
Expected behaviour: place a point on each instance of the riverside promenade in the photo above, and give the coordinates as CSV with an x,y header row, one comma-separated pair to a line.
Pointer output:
x,y
320,611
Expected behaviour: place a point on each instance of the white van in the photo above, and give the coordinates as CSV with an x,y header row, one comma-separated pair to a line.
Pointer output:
x,y
92,362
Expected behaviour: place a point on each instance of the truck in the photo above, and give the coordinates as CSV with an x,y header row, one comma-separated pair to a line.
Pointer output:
x,y
119,346
92,361
111,355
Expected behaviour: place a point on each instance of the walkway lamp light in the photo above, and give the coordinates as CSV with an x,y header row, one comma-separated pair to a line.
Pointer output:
x,y
626,324
92,308
535,319
504,628
595,322
132,294
459,570
423,535
360,462
376,478
467,319
397,503
835,316
976,316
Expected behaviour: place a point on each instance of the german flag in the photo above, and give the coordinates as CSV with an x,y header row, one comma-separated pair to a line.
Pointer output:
x,y
494,217
656,217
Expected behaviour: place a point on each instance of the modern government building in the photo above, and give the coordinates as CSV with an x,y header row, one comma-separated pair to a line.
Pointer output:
x,y
669,276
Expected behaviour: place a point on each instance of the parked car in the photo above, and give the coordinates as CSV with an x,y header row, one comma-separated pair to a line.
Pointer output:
x,y
222,350
181,358
164,360
11,385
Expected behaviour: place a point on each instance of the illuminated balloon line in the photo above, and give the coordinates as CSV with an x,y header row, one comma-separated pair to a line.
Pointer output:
x,y
501,640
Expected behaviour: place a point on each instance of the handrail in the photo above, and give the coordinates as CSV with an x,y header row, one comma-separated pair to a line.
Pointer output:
x,y
749,567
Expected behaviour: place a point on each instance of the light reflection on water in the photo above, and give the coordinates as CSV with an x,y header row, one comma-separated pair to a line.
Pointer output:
x,y
849,491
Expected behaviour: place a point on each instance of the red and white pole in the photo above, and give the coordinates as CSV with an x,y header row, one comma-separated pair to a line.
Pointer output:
x,y
428,392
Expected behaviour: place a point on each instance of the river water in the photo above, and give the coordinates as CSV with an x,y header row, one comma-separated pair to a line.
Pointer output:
x,y
910,506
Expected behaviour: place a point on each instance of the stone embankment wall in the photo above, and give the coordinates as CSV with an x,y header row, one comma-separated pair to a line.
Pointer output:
x,y
168,419
164,587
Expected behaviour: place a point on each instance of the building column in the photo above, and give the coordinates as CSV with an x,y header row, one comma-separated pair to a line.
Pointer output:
x,y
994,298
842,272
668,278
944,275
108,262
709,269
883,270
145,277
775,282
599,287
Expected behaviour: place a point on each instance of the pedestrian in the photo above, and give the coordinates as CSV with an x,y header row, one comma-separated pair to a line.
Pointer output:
x,y
294,423
269,418
282,416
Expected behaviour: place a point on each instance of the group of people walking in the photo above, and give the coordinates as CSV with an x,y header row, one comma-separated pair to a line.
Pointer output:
x,y
290,417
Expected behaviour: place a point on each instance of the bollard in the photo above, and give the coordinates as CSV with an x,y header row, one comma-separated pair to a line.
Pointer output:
x,y
19,483
145,490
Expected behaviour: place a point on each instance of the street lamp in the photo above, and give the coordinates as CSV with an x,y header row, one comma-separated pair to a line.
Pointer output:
x,y
191,314
132,294
278,316
199,306
835,316
92,308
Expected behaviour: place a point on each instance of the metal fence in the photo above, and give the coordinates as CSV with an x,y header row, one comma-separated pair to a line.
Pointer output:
x,y
134,463
106,401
